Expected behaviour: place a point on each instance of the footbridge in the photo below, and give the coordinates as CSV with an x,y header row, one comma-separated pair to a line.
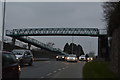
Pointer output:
x,y
22,35
54,32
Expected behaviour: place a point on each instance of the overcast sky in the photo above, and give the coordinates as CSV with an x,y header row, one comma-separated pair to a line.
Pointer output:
x,y
57,15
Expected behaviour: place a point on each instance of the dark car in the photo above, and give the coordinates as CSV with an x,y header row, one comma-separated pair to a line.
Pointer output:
x,y
60,57
23,56
10,66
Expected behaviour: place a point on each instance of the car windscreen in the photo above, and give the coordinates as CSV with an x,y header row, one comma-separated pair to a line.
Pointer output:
x,y
82,56
8,59
72,55
17,52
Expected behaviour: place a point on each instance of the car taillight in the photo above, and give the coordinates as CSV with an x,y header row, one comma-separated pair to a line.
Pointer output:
x,y
17,68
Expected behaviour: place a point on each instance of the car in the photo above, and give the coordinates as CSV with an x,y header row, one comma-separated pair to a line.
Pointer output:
x,y
82,58
60,57
23,56
72,58
10,66
90,58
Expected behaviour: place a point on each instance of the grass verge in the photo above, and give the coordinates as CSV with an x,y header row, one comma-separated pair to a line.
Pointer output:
x,y
98,70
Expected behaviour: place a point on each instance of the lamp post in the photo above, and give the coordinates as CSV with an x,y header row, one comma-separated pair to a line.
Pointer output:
x,y
3,23
72,43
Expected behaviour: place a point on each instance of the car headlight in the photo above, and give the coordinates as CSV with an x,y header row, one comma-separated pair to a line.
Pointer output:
x,y
56,56
62,56
74,58
91,58
68,58
17,58
88,58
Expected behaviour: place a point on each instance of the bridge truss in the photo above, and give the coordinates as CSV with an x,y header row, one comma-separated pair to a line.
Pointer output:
x,y
54,32
22,35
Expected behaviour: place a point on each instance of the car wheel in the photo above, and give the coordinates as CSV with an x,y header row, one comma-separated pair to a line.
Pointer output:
x,y
21,63
30,63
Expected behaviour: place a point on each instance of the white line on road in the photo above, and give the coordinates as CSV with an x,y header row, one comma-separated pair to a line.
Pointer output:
x,y
49,74
42,77
54,71
59,69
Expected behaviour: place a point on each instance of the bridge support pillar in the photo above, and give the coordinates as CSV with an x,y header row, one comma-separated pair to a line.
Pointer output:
x,y
13,42
29,45
103,47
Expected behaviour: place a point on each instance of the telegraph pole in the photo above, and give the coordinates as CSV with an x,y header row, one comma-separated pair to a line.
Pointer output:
x,y
3,23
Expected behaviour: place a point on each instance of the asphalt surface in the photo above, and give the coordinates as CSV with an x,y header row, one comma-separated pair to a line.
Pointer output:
x,y
52,69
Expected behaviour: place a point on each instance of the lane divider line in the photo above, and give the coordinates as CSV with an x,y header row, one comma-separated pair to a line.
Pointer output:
x,y
49,74
63,68
42,77
59,69
54,71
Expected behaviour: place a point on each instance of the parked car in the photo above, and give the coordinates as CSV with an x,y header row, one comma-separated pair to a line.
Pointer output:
x,y
10,66
23,56
60,57
82,58
72,58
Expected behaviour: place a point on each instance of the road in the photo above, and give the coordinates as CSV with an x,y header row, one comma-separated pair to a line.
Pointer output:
x,y
52,69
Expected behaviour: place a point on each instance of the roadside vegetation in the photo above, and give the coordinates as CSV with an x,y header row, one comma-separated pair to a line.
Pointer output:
x,y
98,69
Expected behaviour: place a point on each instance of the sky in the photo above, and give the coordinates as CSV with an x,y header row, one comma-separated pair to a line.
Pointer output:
x,y
57,15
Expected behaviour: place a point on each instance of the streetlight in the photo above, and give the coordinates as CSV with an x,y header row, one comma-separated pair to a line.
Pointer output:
x,y
72,43
3,23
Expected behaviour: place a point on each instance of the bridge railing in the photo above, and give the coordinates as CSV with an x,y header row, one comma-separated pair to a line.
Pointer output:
x,y
53,31
36,42
102,31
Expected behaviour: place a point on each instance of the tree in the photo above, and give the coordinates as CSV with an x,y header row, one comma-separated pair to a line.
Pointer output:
x,y
67,48
80,50
112,16
77,49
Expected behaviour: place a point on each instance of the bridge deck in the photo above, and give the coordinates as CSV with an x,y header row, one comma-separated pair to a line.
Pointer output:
x,y
54,32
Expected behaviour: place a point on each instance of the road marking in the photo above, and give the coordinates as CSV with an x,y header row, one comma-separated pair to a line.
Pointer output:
x,y
63,68
54,71
42,77
59,69
49,74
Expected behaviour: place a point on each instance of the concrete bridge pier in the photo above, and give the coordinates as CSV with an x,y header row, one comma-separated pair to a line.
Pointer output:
x,y
29,46
103,47
13,42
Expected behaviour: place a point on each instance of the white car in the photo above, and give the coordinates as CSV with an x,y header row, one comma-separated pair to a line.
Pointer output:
x,y
82,58
71,57
23,56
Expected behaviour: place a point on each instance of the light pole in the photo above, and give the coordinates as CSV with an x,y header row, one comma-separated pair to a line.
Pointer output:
x,y
72,43
3,23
